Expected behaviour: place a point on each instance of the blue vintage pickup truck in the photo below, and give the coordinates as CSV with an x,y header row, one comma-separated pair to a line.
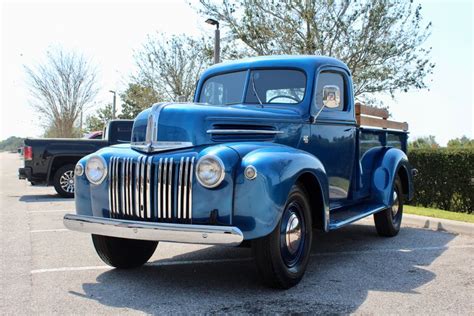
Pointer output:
x,y
271,149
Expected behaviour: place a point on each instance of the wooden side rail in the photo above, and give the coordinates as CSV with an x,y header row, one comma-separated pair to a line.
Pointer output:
x,y
375,117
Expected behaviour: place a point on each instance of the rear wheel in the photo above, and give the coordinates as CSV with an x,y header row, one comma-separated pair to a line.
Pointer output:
x,y
388,221
123,253
63,181
283,255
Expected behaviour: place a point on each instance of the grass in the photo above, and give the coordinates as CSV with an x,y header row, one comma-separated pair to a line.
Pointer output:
x,y
432,212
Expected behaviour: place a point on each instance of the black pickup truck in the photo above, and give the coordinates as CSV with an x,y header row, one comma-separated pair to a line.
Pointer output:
x,y
51,161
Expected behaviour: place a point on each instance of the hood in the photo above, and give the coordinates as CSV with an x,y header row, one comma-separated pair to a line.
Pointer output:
x,y
174,125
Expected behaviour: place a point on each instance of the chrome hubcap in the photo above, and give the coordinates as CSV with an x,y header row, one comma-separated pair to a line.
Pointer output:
x,y
395,205
293,234
67,181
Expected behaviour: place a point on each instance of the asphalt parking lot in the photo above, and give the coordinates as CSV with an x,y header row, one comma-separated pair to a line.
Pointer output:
x,y
49,270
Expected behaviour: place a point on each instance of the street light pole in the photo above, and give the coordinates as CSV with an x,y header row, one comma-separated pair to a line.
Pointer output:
x,y
217,40
113,104
217,45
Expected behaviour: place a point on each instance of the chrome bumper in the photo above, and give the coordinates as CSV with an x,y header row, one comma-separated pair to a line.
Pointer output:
x,y
182,233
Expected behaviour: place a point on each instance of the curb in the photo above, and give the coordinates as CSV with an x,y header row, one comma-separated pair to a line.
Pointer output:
x,y
438,224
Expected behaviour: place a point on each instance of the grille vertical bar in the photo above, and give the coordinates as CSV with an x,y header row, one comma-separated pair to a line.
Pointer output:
x,y
190,190
160,181
122,187
180,185
137,186
111,185
142,186
125,187
165,188
116,179
185,200
155,194
148,190
170,180
130,186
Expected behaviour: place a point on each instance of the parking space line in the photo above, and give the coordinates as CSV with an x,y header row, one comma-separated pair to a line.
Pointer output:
x,y
401,250
204,261
49,230
156,264
50,211
65,269
186,262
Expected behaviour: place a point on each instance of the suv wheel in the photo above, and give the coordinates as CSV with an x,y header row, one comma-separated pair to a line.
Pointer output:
x,y
63,181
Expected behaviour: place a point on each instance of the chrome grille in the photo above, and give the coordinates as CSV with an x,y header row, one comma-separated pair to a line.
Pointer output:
x,y
159,190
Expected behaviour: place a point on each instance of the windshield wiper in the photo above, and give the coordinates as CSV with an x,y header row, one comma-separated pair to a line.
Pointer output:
x,y
255,90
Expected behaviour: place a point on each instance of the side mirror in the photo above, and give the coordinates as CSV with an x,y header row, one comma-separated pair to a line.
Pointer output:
x,y
331,100
331,97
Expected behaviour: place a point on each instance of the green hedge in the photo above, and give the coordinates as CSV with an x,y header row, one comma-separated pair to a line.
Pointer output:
x,y
445,178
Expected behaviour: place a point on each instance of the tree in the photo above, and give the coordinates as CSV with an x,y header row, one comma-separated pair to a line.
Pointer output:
x,y
171,66
137,98
426,142
98,121
380,41
463,142
11,143
61,88
52,131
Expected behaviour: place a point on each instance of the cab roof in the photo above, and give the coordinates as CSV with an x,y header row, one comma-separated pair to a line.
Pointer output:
x,y
306,62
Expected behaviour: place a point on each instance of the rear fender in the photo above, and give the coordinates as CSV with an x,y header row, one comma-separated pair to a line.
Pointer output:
x,y
259,203
390,163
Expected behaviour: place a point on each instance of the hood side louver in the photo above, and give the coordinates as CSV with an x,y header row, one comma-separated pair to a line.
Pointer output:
x,y
242,132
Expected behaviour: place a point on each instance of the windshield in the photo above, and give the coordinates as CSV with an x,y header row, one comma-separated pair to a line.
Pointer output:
x,y
224,89
268,86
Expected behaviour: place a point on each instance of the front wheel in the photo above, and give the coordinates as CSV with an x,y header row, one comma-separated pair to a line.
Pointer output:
x,y
63,181
388,221
123,253
283,255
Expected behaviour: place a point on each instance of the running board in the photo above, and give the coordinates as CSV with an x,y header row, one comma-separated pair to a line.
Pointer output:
x,y
343,217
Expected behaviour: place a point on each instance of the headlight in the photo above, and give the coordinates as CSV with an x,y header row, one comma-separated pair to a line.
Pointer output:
x,y
79,169
210,171
96,169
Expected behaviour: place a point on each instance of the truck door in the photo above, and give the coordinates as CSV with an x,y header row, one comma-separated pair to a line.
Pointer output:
x,y
333,134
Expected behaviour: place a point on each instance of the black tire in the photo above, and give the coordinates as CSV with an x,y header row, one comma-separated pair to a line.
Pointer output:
x,y
281,263
123,253
388,221
62,181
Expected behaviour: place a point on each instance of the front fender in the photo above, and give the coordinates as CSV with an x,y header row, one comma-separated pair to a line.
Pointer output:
x,y
259,203
390,163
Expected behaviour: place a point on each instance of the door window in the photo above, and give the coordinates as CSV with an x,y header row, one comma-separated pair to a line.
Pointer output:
x,y
330,91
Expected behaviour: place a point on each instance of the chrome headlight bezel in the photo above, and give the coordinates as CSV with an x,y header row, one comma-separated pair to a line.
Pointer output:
x,y
79,169
250,172
87,171
220,174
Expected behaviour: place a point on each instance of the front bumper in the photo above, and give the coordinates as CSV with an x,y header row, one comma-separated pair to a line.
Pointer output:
x,y
182,233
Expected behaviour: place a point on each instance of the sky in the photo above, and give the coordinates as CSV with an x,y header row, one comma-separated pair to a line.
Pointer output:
x,y
109,32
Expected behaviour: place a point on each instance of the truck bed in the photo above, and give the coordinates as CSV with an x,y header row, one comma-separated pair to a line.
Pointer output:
x,y
47,149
